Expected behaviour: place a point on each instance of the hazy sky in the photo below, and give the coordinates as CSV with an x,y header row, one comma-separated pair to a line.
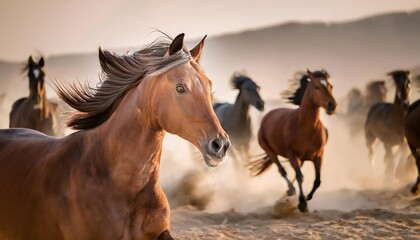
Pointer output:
x,y
64,26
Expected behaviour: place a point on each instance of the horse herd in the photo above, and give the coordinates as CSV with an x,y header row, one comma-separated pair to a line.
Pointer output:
x,y
102,181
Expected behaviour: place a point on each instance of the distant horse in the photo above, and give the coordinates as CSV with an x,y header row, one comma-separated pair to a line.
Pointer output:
x,y
235,118
359,104
385,121
35,112
102,182
297,134
412,133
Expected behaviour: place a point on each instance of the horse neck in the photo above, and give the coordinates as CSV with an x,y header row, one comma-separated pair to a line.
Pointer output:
x,y
41,105
308,110
398,106
240,109
130,144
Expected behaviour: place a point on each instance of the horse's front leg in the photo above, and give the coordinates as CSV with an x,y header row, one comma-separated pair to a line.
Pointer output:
x,y
317,182
151,215
294,161
166,235
416,153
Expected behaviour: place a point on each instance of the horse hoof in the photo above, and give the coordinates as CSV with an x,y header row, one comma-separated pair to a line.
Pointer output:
x,y
303,207
309,197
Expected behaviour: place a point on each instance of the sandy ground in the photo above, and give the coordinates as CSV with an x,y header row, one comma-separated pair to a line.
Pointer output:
x,y
391,214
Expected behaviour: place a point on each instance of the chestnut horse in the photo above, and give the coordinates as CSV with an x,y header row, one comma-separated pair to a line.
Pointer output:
x,y
412,133
297,134
35,112
235,118
385,121
102,182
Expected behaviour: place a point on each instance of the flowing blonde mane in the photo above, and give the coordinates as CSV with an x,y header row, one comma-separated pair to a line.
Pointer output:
x,y
95,105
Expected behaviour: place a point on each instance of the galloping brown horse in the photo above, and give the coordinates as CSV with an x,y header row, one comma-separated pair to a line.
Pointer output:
x,y
385,121
412,133
35,112
102,182
297,134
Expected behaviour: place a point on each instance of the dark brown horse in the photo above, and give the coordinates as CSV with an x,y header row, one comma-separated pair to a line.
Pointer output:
x,y
297,134
35,112
235,118
102,182
412,133
385,121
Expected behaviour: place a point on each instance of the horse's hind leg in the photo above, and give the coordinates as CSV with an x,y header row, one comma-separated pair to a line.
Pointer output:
x,y
370,139
165,235
389,165
273,157
317,182
294,161
416,155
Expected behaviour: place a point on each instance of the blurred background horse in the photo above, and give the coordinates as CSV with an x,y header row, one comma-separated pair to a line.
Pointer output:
x,y
385,121
235,118
35,111
358,105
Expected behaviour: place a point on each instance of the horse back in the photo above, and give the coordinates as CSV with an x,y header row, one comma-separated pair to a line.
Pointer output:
x,y
14,120
31,181
385,121
282,131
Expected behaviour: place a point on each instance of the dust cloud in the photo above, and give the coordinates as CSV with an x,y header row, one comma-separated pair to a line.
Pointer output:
x,y
348,180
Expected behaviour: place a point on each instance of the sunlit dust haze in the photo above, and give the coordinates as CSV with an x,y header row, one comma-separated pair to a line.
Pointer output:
x,y
355,41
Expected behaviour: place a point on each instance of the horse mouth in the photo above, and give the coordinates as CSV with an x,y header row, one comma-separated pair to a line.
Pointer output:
x,y
214,151
259,106
213,161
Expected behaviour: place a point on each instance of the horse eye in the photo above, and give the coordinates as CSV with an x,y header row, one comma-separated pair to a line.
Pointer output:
x,y
317,87
180,88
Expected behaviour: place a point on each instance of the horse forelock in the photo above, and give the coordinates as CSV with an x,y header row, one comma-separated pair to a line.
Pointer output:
x,y
239,80
120,73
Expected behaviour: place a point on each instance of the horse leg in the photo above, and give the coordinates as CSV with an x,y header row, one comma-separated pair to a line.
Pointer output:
x,y
405,164
389,165
370,139
317,182
165,235
273,157
294,161
416,155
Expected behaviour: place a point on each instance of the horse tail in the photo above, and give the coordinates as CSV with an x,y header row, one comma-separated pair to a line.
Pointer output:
x,y
259,166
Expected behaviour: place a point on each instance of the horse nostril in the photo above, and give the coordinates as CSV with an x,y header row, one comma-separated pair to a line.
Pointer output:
x,y
216,144
330,106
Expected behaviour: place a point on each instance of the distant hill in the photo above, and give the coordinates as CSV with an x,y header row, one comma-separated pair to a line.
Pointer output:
x,y
353,52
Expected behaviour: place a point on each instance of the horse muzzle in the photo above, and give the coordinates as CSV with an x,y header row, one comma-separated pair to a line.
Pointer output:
x,y
260,105
330,109
215,150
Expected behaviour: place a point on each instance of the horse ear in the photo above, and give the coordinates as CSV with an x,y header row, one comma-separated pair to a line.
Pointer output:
x,y
176,44
196,51
41,62
407,72
310,74
31,61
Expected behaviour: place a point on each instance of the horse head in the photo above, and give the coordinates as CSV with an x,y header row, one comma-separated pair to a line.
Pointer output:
x,y
36,78
376,92
403,84
249,90
322,90
180,101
